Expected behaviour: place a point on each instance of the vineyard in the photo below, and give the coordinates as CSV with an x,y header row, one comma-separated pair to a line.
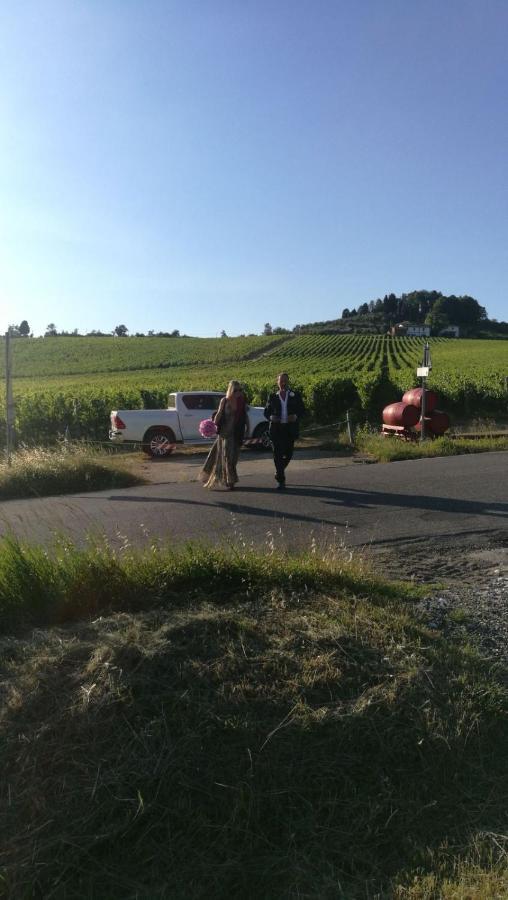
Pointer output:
x,y
73,383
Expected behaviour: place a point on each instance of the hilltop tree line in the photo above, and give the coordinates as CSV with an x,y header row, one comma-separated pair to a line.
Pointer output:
x,y
23,330
418,307
423,307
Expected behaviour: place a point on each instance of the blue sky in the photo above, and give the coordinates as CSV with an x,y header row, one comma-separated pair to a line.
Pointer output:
x,y
220,164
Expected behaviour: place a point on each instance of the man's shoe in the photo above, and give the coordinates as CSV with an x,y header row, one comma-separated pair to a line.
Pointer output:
x,y
281,485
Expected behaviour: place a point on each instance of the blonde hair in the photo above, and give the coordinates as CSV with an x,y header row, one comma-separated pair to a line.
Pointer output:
x,y
231,388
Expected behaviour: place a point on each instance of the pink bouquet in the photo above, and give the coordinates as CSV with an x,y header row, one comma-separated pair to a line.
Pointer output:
x,y
207,428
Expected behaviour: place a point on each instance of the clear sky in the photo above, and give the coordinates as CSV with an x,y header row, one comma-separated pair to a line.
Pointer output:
x,y
218,164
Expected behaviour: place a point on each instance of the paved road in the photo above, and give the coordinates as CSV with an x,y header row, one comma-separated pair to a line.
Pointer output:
x,y
326,500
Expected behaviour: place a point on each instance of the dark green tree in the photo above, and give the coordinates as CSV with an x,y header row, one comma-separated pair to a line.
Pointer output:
x,y
438,318
465,311
390,304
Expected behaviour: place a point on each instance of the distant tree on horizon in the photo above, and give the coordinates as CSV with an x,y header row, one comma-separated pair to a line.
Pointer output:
x,y
121,331
437,317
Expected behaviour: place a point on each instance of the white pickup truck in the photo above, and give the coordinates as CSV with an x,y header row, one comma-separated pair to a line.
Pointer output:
x,y
160,430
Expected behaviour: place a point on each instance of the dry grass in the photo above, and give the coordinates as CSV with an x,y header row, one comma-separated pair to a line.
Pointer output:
x,y
39,472
256,726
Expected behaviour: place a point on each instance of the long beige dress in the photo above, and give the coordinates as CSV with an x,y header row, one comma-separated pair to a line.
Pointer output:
x,y
220,464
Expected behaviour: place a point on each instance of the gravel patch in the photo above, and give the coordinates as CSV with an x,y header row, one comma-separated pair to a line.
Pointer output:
x,y
468,587
479,612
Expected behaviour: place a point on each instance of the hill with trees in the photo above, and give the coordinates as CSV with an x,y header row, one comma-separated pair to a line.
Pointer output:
x,y
416,308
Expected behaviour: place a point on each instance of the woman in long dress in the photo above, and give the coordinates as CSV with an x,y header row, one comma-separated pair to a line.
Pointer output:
x,y
230,419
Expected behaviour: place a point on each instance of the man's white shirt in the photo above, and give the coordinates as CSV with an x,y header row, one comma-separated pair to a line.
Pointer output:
x,y
284,408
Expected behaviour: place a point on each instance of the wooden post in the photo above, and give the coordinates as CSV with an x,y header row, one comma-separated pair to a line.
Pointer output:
x,y
349,428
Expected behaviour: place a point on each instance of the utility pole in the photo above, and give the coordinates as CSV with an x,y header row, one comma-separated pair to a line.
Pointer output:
x,y
423,372
9,400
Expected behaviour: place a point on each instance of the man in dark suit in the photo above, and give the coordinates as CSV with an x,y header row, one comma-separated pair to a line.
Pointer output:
x,y
283,409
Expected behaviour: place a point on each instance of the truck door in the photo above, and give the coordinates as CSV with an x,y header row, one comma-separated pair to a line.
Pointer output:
x,y
195,408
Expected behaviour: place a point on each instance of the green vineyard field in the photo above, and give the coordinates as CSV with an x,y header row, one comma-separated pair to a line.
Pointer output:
x,y
73,383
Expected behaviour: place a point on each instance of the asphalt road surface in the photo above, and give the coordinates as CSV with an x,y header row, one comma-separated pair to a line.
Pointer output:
x,y
328,500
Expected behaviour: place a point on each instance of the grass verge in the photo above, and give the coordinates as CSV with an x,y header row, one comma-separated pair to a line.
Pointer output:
x,y
390,449
217,724
40,473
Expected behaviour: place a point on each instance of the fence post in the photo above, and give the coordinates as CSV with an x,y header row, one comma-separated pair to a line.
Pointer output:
x,y
349,428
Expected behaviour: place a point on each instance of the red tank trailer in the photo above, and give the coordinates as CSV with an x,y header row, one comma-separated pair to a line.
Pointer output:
x,y
436,424
401,414
439,421
403,419
414,397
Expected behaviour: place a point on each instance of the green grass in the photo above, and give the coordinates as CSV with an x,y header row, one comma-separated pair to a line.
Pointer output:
x,y
391,449
40,473
218,724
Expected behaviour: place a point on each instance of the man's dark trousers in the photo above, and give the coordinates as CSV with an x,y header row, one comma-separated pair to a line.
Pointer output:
x,y
283,443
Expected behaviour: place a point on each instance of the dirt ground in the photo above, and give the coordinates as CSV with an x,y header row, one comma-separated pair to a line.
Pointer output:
x,y
469,560
180,465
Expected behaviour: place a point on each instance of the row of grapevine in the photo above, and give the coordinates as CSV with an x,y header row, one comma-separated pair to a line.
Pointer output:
x,y
45,416
35,357
334,372
470,376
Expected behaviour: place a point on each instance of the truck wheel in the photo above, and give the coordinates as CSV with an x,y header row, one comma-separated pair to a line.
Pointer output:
x,y
261,434
158,442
